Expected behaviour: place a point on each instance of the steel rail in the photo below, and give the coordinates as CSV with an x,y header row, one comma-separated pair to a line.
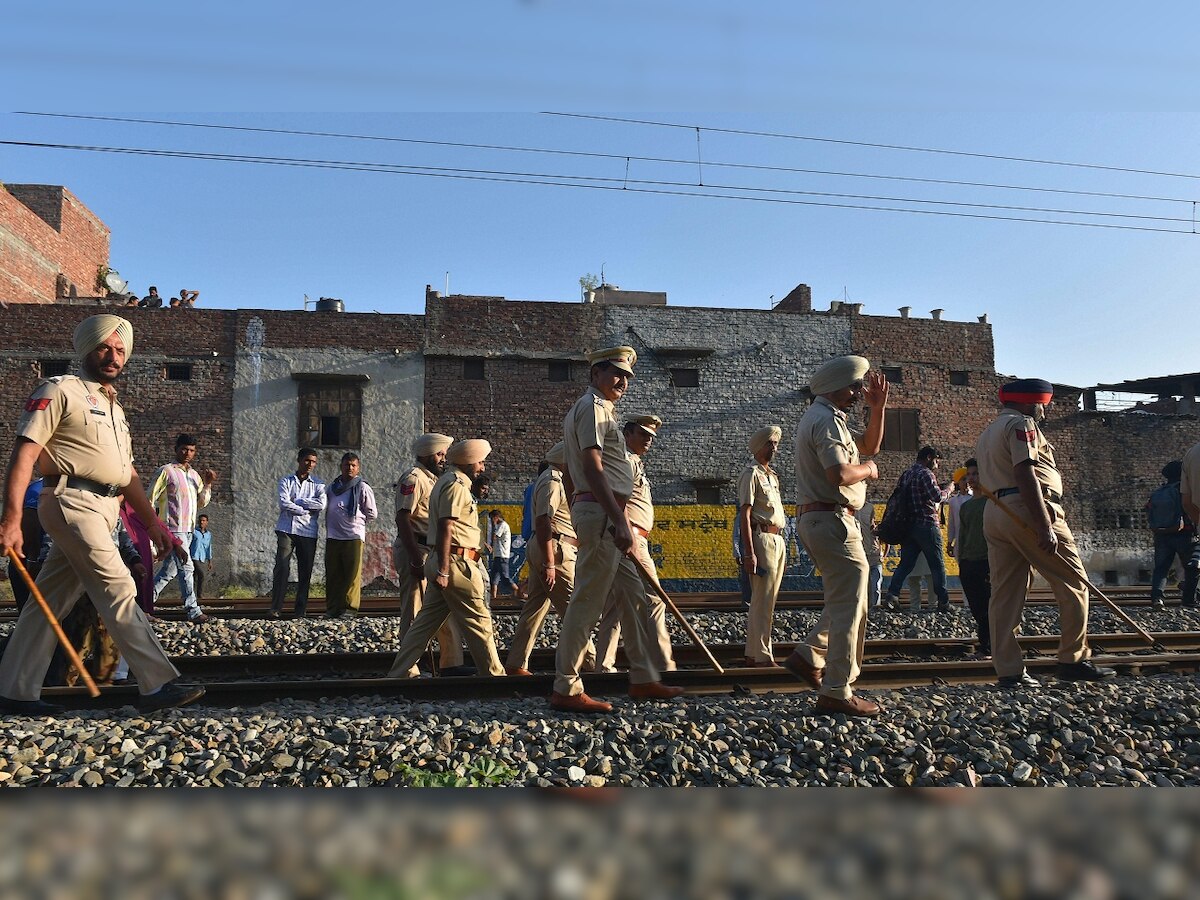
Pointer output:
x,y
537,687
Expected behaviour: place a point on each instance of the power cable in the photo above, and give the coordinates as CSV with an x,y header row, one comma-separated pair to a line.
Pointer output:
x,y
600,155
549,181
878,146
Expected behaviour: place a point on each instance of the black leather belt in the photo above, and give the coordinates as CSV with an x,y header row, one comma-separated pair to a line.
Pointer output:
x,y
96,487
1046,493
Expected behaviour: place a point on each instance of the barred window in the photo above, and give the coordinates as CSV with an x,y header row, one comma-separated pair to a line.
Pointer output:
x,y
179,372
473,369
559,370
52,367
682,378
330,413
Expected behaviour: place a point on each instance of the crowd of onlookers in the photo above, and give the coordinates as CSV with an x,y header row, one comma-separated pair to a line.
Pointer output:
x,y
154,300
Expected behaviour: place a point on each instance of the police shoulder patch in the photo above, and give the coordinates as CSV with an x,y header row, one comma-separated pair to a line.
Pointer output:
x,y
1029,437
407,489
36,404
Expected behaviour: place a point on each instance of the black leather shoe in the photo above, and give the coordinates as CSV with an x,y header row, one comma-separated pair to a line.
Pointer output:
x,y
170,694
1024,680
1084,670
28,707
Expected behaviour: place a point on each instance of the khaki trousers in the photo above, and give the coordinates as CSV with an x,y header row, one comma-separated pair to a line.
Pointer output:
x,y
771,552
539,601
835,644
465,601
449,638
654,625
601,568
83,559
1013,553
343,575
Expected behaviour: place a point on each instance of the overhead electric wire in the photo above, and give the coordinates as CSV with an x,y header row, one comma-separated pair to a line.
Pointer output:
x,y
874,145
595,154
549,180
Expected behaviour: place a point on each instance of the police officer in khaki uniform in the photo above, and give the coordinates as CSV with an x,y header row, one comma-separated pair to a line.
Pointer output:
x,y
639,433
1016,463
603,478
551,558
830,489
75,430
457,584
410,550
764,551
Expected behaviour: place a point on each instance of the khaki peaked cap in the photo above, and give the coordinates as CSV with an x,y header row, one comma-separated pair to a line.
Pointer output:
x,y
648,423
622,358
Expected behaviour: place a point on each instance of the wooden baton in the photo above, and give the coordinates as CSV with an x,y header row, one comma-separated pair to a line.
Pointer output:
x,y
1121,614
59,633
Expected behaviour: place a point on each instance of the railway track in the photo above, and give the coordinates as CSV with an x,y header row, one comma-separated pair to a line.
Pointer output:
x,y
254,679
170,609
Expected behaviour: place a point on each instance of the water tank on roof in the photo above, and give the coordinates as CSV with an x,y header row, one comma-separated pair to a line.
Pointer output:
x,y
329,304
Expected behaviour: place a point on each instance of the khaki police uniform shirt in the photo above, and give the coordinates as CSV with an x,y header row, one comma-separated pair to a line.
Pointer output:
x,y
758,488
1189,484
550,499
452,499
1011,439
412,495
640,508
823,439
81,431
592,422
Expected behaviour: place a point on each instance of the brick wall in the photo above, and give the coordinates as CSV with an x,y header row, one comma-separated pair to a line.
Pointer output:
x,y
951,417
46,230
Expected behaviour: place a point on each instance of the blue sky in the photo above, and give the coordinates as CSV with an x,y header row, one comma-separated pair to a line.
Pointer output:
x,y
1074,304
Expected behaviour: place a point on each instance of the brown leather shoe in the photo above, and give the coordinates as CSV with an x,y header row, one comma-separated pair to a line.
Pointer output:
x,y
578,703
516,671
855,706
749,663
654,690
804,670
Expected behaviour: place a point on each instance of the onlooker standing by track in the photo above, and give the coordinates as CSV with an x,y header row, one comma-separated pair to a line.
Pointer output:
x,y
76,427
301,499
866,524
177,492
499,545
201,553
1189,483
1174,537
764,551
925,536
971,549
830,488
1016,463
350,506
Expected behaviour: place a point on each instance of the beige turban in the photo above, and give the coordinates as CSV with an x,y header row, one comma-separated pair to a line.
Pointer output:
x,y
431,443
648,423
838,373
557,454
464,453
92,332
622,358
759,439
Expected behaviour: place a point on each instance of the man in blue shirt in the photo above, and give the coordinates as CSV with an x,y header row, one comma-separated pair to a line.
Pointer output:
x,y
201,553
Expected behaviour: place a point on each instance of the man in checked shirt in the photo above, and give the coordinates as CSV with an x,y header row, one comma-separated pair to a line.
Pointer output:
x,y
924,497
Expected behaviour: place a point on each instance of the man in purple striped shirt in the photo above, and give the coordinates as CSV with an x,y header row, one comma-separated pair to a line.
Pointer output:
x,y
924,496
